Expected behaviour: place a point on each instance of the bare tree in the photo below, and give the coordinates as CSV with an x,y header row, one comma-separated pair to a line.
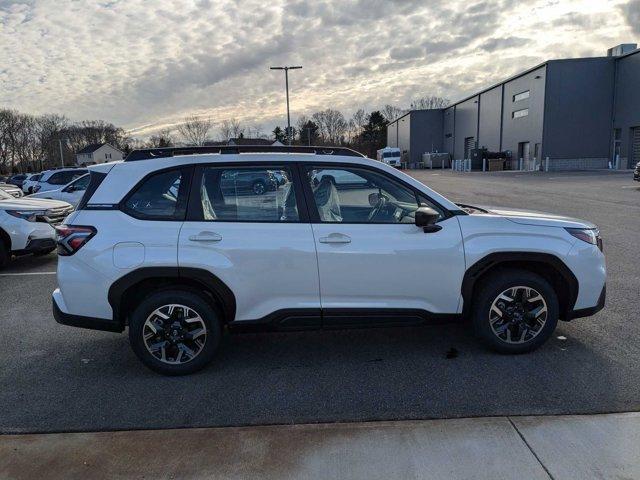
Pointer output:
x,y
164,138
356,125
332,126
429,102
391,112
194,130
231,128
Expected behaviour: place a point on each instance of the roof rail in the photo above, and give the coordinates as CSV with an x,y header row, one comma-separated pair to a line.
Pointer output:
x,y
149,153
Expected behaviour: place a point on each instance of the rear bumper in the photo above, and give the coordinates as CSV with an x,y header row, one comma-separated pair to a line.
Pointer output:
x,y
36,245
587,312
84,322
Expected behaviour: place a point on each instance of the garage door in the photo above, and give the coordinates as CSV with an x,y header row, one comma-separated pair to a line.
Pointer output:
x,y
635,146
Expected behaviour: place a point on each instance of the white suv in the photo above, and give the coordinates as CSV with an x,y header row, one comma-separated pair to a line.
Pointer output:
x,y
166,244
26,225
55,179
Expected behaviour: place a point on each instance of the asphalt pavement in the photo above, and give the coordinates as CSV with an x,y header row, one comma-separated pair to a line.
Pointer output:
x,y
57,378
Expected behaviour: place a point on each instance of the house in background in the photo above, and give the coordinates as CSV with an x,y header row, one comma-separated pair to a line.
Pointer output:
x,y
98,153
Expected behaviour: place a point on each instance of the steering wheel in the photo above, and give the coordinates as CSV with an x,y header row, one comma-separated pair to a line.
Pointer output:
x,y
382,201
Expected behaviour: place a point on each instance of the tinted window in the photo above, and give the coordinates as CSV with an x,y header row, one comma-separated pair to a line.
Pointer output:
x,y
159,197
81,183
62,178
367,197
248,194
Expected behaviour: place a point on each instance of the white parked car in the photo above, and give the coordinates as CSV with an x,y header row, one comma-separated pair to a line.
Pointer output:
x,y
54,179
159,246
12,190
30,182
27,225
70,193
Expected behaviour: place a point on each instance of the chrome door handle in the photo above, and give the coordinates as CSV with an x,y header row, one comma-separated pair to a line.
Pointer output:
x,y
206,237
335,238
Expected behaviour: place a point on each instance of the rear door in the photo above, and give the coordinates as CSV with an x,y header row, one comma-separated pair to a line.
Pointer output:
x,y
374,263
258,241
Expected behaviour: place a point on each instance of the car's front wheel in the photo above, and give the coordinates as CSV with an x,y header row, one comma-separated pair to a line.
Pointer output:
x,y
515,311
175,332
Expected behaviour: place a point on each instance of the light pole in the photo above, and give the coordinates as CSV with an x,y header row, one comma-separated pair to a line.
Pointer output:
x,y
286,82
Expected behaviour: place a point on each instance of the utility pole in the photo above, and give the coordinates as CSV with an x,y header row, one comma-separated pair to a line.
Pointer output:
x,y
61,155
286,83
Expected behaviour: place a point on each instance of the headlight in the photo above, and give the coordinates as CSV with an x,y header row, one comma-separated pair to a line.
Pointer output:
x,y
28,215
589,235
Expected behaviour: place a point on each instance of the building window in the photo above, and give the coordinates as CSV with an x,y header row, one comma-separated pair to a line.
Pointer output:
x,y
521,96
520,113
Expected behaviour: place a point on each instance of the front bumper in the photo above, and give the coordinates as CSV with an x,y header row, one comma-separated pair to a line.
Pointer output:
x,y
35,245
84,322
587,312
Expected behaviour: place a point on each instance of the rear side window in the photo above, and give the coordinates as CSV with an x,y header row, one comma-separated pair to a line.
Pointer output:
x,y
62,178
162,196
246,194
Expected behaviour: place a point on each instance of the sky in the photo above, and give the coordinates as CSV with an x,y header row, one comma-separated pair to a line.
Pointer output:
x,y
146,65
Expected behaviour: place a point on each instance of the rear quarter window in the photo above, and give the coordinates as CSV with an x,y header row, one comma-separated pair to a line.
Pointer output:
x,y
160,196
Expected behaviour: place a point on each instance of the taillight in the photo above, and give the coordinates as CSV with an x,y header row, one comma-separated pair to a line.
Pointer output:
x,y
71,238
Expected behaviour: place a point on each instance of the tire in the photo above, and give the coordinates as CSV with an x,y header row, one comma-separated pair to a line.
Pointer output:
x,y
259,188
520,325
5,255
172,331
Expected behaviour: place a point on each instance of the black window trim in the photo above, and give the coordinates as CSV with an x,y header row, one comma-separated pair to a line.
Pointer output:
x,y
183,195
194,206
313,211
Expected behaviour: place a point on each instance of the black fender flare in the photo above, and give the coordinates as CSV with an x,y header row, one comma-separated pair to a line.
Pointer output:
x,y
210,282
493,260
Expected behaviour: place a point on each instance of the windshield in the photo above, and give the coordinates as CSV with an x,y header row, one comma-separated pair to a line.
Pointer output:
x,y
390,154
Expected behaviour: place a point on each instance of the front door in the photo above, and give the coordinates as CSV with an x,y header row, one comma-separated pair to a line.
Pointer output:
x,y
245,226
372,259
74,191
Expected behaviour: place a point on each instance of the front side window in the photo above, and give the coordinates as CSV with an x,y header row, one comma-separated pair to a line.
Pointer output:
x,y
79,184
357,195
247,194
159,197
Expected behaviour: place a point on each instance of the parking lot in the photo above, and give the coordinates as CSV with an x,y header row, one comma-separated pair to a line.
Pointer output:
x,y
56,378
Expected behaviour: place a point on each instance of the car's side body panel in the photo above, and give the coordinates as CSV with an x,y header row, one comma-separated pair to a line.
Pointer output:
x,y
269,266
391,266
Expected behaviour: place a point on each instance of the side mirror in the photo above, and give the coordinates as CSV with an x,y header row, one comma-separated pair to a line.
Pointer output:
x,y
426,218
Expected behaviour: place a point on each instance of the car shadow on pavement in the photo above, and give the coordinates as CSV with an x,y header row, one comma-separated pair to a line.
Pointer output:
x,y
326,376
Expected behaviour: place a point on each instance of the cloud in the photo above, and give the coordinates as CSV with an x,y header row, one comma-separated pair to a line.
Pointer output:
x,y
631,11
494,44
146,65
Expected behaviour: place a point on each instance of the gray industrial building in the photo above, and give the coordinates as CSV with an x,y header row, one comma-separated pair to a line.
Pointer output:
x,y
581,113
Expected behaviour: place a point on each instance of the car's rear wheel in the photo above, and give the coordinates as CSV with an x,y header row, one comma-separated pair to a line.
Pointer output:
x,y
259,188
175,332
515,311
